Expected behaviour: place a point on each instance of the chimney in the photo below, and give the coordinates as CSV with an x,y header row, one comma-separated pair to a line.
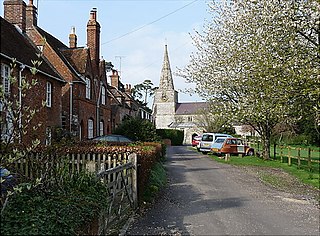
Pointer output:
x,y
93,38
15,13
128,88
31,15
73,38
114,79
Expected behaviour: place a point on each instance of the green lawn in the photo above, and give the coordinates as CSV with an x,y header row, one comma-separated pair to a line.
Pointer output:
x,y
308,177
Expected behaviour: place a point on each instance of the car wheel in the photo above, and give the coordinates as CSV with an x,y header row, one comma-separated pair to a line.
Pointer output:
x,y
205,153
250,153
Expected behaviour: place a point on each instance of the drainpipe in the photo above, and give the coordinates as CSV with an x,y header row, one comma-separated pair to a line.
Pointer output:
x,y
98,109
20,100
71,108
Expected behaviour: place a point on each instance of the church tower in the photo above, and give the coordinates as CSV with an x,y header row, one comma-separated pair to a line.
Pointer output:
x,y
166,98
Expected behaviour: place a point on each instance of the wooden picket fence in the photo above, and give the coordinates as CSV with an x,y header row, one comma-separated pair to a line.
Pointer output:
x,y
121,182
117,171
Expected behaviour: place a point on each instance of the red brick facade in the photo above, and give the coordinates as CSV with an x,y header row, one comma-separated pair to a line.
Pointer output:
x,y
77,104
14,46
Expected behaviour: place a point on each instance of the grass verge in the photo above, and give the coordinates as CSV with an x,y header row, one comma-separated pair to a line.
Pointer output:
x,y
305,176
158,179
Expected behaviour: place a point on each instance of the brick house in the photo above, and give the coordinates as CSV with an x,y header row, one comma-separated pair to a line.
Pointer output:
x,y
86,112
122,103
16,56
89,105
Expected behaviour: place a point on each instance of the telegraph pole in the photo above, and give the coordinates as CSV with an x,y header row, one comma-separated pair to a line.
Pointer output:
x,y
120,58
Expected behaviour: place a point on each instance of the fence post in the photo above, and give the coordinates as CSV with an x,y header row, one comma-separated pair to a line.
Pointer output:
x,y
289,157
274,151
227,157
299,162
309,159
281,157
133,158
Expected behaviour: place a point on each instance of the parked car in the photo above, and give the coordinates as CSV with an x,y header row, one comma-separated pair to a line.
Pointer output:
x,y
196,140
8,181
113,138
232,146
207,140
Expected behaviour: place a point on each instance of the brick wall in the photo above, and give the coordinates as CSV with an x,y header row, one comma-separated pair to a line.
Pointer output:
x,y
33,99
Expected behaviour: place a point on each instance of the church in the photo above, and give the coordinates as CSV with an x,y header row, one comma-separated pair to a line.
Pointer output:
x,y
168,113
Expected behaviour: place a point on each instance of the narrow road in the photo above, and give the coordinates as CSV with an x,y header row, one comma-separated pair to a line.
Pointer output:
x,y
204,197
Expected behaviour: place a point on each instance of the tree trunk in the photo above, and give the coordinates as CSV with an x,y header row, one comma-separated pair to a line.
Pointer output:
x,y
266,136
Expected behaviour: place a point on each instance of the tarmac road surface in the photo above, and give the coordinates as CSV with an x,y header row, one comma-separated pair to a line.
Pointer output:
x,y
204,197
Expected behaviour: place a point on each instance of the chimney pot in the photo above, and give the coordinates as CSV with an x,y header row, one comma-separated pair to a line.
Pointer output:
x,y
31,15
73,38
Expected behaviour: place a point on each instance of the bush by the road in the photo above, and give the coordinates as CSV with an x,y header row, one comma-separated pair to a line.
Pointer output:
x,y
58,210
176,136
138,129
66,204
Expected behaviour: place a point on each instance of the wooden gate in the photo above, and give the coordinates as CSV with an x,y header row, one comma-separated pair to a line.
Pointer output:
x,y
121,183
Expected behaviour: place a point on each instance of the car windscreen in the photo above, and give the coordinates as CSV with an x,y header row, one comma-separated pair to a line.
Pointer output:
x,y
207,137
220,140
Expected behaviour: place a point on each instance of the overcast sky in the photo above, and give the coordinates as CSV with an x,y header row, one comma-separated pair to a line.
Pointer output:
x,y
133,32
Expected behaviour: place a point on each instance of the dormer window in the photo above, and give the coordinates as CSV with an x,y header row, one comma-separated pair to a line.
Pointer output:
x,y
88,88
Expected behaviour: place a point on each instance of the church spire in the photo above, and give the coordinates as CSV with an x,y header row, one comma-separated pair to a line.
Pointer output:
x,y
166,81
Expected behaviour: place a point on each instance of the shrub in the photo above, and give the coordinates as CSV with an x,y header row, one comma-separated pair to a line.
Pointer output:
x,y
157,180
176,136
59,210
138,129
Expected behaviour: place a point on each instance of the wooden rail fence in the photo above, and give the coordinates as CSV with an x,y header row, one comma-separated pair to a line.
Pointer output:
x,y
297,155
288,154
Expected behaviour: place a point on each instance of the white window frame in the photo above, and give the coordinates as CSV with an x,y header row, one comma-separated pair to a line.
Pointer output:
x,y
103,95
5,76
88,88
49,94
90,128
101,128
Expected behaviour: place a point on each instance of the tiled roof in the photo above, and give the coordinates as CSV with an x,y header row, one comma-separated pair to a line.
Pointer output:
x,y
16,45
58,47
189,107
77,57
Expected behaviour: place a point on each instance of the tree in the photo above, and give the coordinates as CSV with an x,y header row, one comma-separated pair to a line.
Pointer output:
x,y
216,123
137,129
258,61
15,120
109,66
143,90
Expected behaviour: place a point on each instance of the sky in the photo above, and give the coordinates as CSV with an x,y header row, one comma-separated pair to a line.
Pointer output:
x,y
133,33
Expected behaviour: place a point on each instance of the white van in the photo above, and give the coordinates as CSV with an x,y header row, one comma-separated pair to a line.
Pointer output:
x,y
208,138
